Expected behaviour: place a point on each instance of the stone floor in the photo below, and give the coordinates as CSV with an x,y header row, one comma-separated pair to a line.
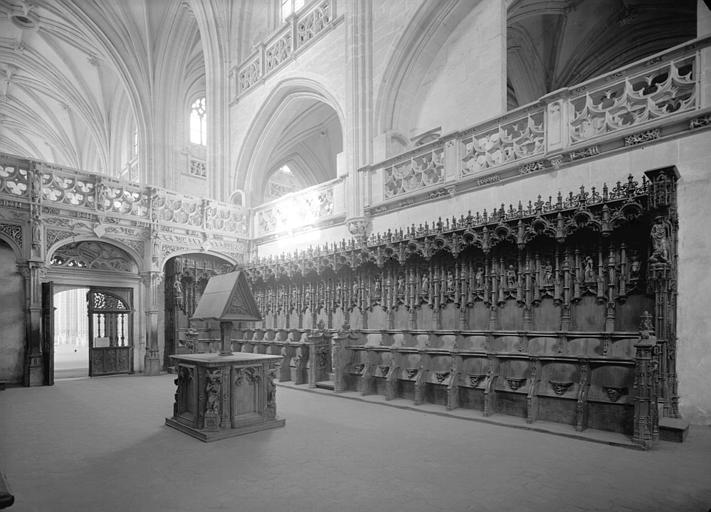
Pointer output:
x,y
100,445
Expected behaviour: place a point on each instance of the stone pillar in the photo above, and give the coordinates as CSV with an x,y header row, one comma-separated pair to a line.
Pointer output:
x,y
662,279
703,29
646,417
33,272
152,282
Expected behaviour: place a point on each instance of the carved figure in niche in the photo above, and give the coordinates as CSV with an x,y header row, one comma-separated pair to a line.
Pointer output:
x,y
479,278
271,393
589,271
355,290
400,285
103,196
36,233
155,251
511,278
177,292
377,287
635,266
36,187
660,242
212,389
450,282
548,274
425,286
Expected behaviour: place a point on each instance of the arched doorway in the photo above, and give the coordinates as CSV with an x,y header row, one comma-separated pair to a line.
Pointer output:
x,y
89,302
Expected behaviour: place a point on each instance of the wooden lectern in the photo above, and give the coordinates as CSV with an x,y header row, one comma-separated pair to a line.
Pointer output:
x,y
225,395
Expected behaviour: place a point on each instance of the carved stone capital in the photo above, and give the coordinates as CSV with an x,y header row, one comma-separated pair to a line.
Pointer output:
x,y
358,227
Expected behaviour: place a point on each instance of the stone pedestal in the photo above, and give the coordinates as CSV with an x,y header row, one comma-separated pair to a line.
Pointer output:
x,y
220,396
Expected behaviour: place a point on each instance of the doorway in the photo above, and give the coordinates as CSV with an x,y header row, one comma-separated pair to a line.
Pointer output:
x,y
71,333
92,331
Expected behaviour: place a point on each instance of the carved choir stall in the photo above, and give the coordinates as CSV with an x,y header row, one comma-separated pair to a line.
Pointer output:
x,y
561,310
224,395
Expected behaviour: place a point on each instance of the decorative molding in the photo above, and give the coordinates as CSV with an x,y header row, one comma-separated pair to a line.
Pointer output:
x,y
642,137
14,232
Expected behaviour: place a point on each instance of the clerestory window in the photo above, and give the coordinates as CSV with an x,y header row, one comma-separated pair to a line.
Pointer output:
x,y
288,7
198,124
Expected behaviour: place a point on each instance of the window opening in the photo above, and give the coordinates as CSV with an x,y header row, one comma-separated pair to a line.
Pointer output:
x,y
288,7
198,127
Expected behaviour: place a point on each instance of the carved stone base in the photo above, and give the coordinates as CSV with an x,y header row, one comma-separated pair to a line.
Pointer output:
x,y
151,365
207,436
36,374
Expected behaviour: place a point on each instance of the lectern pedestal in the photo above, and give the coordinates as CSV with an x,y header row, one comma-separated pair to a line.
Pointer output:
x,y
221,396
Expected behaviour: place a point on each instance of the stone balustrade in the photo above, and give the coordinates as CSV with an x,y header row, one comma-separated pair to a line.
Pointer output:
x,y
652,98
314,205
299,30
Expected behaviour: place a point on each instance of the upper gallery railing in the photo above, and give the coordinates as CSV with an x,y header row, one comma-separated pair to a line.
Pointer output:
x,y
299,30
299,209
31,180
624,107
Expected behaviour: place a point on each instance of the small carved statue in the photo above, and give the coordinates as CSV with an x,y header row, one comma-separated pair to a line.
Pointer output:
x,y
635,267
212,389
425,287
36,187
589,271
660,242
548,274
511,278
177,291
37,234
450,282
400,285
479,278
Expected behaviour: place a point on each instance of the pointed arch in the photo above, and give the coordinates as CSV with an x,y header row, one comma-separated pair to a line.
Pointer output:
x,y
410,58
264,131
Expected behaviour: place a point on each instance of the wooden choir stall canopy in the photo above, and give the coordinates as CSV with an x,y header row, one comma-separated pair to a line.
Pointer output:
x,y
226,394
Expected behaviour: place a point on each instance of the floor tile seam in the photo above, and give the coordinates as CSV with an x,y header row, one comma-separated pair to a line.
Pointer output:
x,y
446,414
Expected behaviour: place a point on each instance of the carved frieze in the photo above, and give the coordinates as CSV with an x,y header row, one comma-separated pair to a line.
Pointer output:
x,y
12,231
93,255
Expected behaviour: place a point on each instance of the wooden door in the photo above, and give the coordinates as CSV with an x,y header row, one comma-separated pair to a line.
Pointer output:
x,y
48,332
110,331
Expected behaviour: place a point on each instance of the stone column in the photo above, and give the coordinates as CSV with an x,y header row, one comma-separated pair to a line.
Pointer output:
x,y
662,278
646,419
33,272
703,29
152,282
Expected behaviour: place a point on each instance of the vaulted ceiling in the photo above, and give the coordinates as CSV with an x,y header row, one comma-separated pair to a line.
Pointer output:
x,y
77,78
559,43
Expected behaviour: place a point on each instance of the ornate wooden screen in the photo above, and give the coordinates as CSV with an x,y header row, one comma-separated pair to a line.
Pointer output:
x,y
110,339
537,305
186,278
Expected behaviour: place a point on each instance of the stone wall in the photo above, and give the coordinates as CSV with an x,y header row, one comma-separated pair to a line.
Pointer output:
x,y
12,318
